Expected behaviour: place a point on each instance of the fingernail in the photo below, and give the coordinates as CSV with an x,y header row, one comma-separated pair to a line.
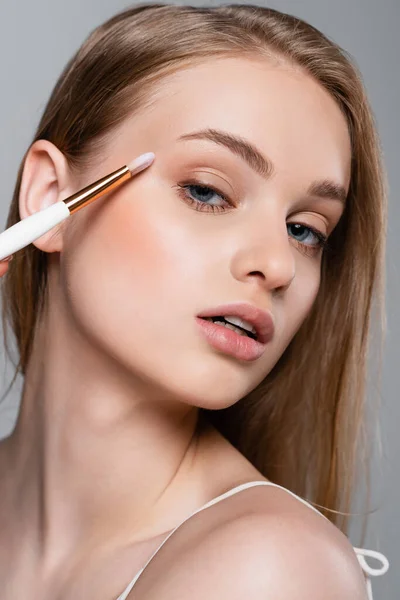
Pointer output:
x,y
8,258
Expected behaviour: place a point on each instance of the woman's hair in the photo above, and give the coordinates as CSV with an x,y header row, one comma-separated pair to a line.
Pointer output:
x,y
303,426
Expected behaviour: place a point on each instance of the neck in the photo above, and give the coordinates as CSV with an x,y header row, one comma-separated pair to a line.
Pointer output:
x,y
94,455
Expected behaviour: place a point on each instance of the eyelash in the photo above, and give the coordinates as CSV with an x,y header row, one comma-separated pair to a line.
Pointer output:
x,y
182,189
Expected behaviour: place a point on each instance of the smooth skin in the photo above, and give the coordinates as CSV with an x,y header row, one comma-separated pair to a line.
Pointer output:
x,y
105,458
4,266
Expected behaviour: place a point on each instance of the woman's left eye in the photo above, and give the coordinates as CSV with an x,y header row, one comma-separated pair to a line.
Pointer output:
x,y
320,239
198,196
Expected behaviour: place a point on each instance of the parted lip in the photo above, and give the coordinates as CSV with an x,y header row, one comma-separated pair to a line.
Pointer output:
x,y
260,319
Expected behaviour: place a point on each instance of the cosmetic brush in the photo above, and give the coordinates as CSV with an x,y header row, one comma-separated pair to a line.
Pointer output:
x,y
33,227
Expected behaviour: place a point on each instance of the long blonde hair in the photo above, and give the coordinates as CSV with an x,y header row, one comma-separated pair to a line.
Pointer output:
x,y
303,426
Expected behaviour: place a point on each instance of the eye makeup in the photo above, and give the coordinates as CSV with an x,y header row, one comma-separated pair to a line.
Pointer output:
x,y
200,187
189,188
205,196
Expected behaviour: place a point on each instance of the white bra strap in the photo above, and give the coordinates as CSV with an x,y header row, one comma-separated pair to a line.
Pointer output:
x,y
361,553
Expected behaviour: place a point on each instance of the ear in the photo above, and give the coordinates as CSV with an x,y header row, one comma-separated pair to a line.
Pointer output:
x,y
45,181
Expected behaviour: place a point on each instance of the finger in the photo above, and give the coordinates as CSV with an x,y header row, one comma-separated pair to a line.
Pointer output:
x,y
4,265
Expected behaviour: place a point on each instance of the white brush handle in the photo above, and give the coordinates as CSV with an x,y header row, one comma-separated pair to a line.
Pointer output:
x,y
31,228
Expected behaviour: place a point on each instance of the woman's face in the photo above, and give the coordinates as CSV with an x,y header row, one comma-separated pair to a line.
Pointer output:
x,y
140,265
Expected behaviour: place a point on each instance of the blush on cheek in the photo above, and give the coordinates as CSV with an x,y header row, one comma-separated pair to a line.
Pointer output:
x,y
147,226
137,250
135,239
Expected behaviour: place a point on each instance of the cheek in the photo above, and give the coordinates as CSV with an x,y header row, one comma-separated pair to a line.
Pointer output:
x,y
150,247
301,296
134,255
134,276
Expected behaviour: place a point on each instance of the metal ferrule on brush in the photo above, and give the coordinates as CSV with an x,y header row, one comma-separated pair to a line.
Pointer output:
x,y
97,189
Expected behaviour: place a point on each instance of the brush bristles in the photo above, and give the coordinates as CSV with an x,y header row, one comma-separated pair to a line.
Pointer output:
x,y
141,162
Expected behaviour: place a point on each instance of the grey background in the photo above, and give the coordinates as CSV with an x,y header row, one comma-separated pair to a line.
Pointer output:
x,y
36,40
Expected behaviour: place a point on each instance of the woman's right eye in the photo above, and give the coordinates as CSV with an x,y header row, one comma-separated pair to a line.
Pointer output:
x,y
198,195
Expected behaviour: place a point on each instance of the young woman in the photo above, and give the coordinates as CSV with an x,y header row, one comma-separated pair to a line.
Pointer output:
x,y
155,449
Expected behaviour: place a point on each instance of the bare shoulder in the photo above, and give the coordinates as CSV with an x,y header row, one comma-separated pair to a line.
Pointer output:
x,y
259,543
285,550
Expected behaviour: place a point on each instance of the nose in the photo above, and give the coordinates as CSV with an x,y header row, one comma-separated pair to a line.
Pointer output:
x,y
265,254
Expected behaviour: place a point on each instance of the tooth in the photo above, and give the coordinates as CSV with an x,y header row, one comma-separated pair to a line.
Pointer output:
x,y
227,325
235,329
240,323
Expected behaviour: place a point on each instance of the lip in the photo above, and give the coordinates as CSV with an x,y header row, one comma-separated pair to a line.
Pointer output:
x,y
260,319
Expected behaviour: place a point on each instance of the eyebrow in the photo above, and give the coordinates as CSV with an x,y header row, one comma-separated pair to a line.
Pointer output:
x,y
261,164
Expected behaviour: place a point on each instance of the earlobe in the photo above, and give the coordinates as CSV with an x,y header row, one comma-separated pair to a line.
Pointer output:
x,y
44,182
